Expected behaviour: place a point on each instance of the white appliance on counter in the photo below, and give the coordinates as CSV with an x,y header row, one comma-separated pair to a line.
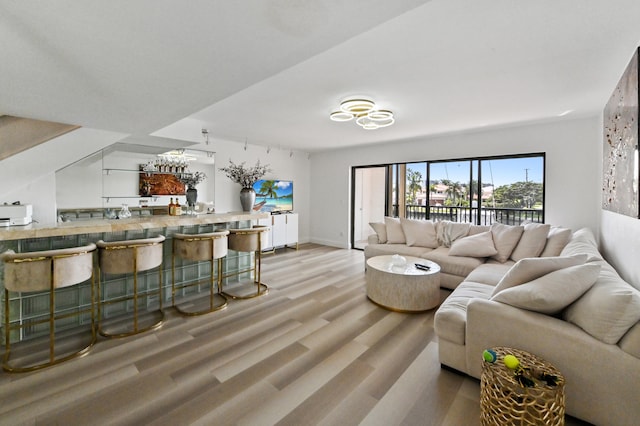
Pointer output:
x,y
15,214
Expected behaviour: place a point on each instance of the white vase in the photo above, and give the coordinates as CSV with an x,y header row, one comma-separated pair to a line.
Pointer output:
x,y
247,199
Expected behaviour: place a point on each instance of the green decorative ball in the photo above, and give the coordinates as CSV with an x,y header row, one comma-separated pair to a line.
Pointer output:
x,y
489,355
511,362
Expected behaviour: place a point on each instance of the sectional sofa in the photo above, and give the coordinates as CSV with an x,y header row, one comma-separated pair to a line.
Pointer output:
x,y
538,288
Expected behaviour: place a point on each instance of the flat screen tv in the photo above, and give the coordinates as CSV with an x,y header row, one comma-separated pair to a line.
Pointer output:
x,y
274,195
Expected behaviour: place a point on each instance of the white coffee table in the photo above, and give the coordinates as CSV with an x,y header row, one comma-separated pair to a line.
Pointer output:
x,y
403,288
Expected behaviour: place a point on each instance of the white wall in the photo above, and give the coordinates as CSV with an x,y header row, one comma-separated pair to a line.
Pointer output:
x,y
29,176
40,193
82,186
85,184
572,180
619,235
284,166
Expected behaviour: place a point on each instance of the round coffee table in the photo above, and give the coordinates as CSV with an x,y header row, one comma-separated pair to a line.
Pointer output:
x,y
403,288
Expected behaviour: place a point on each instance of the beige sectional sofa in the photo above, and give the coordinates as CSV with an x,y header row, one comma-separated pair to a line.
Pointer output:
x,y
566,304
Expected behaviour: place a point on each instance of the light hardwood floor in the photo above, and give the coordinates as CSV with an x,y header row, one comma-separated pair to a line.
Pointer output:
x,y
313,351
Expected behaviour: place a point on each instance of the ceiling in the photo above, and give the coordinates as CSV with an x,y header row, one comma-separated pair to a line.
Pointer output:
x,y
270,71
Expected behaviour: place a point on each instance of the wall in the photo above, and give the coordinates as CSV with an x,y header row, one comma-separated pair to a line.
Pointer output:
x,y
85,184
572,186
82,185
618,234
285,164
29,176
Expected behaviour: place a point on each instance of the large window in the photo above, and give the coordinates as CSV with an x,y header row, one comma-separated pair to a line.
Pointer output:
x,y
483,190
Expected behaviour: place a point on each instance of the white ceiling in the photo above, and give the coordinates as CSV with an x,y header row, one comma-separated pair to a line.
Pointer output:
x,y
270,71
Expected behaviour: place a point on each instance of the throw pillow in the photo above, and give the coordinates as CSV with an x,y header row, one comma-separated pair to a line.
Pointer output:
x,y
532,241
608,310
529,269
394,231
553,292
478,245
505,239
557,239
448,232
582,241
381,231
420,233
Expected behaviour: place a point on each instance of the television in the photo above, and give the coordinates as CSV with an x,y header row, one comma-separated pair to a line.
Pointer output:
x,y
274,196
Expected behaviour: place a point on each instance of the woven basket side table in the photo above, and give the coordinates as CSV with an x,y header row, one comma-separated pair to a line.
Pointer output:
x,y
505,401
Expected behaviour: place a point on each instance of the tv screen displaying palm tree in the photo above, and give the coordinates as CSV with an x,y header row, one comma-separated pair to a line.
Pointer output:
x,y
273,195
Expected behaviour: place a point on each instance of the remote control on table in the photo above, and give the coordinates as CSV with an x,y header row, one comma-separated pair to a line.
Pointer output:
x,y
423,267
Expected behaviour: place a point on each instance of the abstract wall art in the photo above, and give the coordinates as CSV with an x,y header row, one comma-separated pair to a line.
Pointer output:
x,y
620,158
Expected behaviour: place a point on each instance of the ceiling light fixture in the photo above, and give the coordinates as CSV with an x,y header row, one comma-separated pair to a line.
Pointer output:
x,y
365,113
205,135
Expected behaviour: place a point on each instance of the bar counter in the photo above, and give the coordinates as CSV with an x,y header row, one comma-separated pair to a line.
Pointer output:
x,y
36,237
92,226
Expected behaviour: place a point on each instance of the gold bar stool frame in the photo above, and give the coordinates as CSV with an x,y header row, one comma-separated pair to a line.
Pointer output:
x,y
199,248
248,240
131,257
46,271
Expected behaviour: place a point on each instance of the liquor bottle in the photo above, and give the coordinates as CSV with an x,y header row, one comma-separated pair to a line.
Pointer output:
x,y
172,207
177,208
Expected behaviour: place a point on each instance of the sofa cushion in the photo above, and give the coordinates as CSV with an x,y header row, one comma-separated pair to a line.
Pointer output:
x,y
421,233
455,265
582,241
381,230
478,229
532,241
505,239
556,240
395,235
630,343
529,269
448,231
553,292
478,245
608,310
451,318
402,249
489,273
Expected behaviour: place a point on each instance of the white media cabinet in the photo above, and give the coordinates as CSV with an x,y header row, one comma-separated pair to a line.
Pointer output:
x,y
283,232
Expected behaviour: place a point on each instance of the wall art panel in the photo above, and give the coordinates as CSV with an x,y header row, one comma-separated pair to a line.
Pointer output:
x,y
620,168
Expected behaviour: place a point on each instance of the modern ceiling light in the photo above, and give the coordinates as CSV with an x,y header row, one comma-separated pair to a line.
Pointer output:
x,y
357,106
365,113
341,116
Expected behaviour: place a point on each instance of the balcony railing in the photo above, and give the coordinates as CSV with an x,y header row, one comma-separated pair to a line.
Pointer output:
x,y
488,215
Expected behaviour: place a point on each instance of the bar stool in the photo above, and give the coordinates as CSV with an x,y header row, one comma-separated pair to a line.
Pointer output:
x,y
199,248
47,271
249,240
130,257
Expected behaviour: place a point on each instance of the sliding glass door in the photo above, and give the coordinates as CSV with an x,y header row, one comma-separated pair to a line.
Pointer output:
x,y
369,202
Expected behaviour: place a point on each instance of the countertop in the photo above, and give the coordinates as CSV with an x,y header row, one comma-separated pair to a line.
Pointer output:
x,y
90,226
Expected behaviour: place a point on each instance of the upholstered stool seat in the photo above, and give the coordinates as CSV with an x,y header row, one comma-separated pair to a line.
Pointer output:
x,y
130,257
199,248
47,271
249,240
